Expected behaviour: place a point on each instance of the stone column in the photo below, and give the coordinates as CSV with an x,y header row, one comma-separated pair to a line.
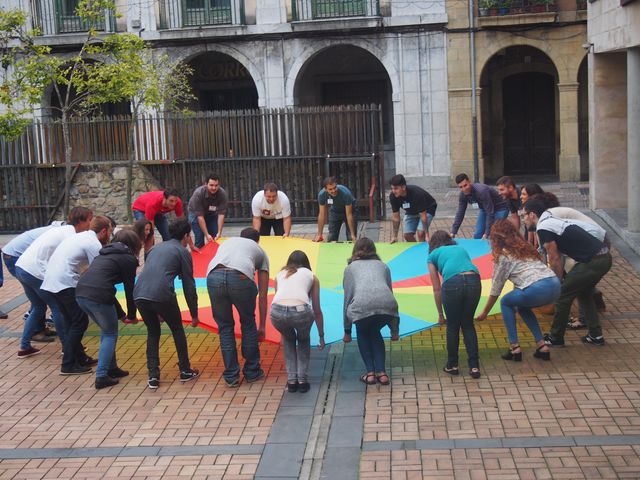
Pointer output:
x,y
569,158
633,138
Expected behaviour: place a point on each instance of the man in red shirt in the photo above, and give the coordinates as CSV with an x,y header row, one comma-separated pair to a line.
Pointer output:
x,y
154,206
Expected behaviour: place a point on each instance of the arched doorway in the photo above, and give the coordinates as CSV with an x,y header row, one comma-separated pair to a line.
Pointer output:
x,y
220,82
519,114
583,118
348,75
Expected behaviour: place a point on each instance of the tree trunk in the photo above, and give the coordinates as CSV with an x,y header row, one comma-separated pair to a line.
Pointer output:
x,y
68,149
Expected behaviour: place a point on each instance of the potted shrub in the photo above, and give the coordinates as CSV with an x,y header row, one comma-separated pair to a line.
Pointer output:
x,y
504,7
538,6
486,7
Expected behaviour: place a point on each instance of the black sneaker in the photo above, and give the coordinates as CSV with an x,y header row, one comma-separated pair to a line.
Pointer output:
x,y
304,387
292,387
117,372
153,383
104,382
233,383
599,341
3,315
551,340
41,337
88,361
28,352
189,375
50,332
256,378
76,370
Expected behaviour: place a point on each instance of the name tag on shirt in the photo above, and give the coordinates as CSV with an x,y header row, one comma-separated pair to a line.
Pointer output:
x,y
213,208
406,205
474,206
278,216
330,201
299,308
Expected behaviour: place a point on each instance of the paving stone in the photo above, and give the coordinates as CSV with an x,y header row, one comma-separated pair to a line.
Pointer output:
x,y
346,432
341,462
290,429
281,460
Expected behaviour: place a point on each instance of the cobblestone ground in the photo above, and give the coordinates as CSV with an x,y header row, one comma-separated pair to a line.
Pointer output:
x,y
574,417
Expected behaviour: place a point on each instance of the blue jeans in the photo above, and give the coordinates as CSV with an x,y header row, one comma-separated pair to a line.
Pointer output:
x,y
543,292
370,342
482,220
230,288
294,324
39,300
160,221
10,263
105,316
212,227
460,297
335,222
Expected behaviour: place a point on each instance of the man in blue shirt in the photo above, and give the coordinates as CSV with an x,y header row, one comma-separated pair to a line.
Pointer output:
x,y
339,202
491,206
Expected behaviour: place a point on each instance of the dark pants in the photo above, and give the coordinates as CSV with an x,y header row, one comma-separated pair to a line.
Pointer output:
x,y
580,282
460,297
370,342
170,312
276,223
212,227
335,222
230,288
160,221
77,323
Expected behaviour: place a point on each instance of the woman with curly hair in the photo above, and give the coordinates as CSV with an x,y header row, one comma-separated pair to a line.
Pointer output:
x,y
459,294
535,285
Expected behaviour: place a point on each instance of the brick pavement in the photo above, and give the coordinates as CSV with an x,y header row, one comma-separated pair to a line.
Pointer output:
x,y
583,391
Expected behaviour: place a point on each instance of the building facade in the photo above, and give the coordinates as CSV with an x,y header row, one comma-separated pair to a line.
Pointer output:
x,y
280,53
531,88
614,100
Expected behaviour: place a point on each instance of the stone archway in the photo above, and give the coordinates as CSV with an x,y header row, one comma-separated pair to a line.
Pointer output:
x,y
583,118
220,82
348,75
520,118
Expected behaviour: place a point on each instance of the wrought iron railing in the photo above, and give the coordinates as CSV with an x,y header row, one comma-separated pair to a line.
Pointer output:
x,y
319,9
53,17
489,8
196,13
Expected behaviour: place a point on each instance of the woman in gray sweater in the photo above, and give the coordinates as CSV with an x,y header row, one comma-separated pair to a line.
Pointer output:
x,y
370,304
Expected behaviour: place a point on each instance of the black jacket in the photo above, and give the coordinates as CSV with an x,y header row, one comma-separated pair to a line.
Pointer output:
x,y
115,264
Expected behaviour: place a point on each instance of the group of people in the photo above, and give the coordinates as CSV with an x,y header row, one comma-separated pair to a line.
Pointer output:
x,y
74,268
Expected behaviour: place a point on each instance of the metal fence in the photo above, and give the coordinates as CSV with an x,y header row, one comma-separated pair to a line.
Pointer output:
x,y
319,9
296,147
196,13
52,17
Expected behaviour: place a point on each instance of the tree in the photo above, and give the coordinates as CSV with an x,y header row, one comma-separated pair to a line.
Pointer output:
x,y
106,68
133,72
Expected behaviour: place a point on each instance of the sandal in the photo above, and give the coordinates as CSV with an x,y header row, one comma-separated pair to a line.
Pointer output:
x,y
383,378
368,378
511,355
474,373
542,355
451,370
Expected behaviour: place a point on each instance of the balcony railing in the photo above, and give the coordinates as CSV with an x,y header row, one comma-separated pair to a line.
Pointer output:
x,y
196,13
320,9
53,17
489,8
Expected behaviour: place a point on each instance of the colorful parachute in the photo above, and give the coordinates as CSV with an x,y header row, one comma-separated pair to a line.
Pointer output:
x,y
409,273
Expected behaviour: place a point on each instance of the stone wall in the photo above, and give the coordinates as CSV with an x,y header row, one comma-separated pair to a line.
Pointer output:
x,y
103,188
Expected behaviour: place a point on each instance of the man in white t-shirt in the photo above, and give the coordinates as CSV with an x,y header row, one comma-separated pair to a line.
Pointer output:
x,y
271,209
30,270
70,260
